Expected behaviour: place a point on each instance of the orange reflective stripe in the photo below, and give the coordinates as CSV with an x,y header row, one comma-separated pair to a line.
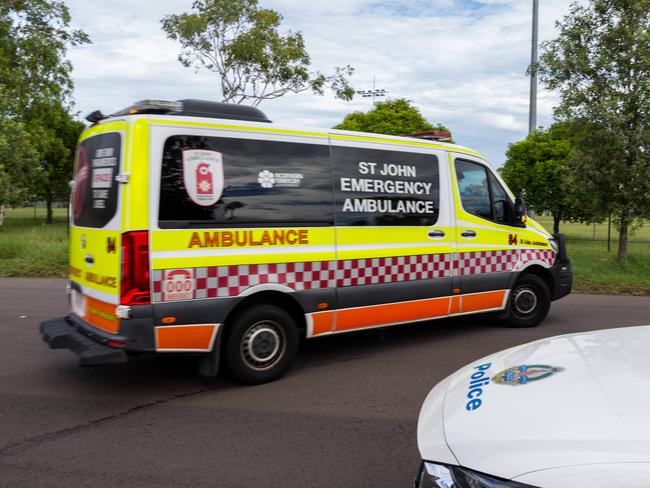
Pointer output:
x,y
322,322
102,315
185,337
483,301
455,306
391,313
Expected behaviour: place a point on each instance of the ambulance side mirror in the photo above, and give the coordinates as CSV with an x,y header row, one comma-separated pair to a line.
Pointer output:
x,y
520,212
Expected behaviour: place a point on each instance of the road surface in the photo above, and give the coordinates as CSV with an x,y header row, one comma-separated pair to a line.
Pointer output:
x,y
344,416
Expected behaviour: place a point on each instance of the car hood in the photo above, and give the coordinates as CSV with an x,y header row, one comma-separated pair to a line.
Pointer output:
x,y
564,401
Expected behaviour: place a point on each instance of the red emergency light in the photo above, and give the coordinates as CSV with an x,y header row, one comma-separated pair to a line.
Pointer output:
x,y
432,135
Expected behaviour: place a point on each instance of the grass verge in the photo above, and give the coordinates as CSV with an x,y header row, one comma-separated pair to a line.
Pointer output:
x,y
30,248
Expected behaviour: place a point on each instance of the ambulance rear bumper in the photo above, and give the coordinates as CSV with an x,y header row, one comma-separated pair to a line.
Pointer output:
x,y
60,333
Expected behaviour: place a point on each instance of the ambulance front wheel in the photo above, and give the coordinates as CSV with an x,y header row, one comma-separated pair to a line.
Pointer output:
x,y
529,302
261,343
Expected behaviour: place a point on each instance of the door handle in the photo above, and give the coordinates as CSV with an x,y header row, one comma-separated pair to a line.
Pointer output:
x,y
468,233
436,234
90,259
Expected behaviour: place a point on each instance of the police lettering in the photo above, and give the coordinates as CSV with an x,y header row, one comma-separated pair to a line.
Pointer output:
x,y
251,238
476,383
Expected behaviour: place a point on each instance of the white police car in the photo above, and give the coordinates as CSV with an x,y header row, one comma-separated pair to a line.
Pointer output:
x,y
568,411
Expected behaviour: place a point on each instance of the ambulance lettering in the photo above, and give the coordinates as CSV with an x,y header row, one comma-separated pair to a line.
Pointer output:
x,y
178,284
203,176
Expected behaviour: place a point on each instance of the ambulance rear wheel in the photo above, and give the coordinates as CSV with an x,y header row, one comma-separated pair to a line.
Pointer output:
x,y
529,302
262,342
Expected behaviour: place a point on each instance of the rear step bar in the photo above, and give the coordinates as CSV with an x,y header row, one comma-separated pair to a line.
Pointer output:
x,y
59,334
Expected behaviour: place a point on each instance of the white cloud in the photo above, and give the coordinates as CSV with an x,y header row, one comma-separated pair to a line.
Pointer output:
x,y
462,62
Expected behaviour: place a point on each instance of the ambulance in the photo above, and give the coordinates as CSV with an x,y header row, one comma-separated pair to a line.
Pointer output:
x,y
202,228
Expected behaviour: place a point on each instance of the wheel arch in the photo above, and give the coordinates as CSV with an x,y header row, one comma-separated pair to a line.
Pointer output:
x,y
270,297
540,271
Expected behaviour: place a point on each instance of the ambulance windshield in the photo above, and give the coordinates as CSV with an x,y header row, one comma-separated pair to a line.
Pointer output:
x,y
94,199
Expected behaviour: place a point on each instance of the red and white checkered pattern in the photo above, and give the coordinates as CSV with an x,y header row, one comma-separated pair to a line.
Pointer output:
x,y
472,263
229,281
355,272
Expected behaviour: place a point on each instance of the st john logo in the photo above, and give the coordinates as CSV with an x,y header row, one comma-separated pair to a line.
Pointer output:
x,y
203,176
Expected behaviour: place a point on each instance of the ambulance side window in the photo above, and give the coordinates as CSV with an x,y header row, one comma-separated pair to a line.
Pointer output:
x,y
481,193
473,189
229,182
376,187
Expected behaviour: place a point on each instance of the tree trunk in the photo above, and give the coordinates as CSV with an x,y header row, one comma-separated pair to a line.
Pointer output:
x,y
2,214
622,235
50,218
556,223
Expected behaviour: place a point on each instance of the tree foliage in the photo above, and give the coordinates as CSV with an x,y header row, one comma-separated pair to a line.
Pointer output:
x,y
392,117
241,42
34,37
540,167
37,133
600,64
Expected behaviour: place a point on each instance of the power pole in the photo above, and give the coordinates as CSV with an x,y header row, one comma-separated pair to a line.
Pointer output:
x,y
532,121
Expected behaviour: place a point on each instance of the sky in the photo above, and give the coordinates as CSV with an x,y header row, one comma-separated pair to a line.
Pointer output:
x,y
461,62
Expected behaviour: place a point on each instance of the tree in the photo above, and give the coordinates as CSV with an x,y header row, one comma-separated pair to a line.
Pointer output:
x,y
600,64
392,117
242,44
18,158
34,37
56,136
540,167
35,99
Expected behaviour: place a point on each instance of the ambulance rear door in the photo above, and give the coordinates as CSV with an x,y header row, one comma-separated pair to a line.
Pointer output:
x,y
95,224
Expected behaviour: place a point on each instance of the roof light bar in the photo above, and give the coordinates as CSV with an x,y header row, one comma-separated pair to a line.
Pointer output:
x,y
432,135
151,106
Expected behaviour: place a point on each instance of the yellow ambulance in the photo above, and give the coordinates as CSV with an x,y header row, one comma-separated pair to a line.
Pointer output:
x,y
200,227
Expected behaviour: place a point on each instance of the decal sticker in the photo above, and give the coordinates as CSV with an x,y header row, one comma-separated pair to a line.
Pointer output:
x,y
267,179
520,375
102,177
203,176
512,239
178,284
81,175
111,244
478,380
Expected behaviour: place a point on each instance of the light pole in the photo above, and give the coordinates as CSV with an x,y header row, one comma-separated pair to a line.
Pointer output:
x,y
532,114
372,93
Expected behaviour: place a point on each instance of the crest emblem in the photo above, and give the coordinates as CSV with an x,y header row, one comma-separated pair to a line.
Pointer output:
x,y
203,175
525,373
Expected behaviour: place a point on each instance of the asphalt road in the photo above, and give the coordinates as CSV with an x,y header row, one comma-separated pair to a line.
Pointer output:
x,y
345,415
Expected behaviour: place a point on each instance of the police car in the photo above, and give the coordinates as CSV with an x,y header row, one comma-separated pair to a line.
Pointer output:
x,y
202,228
568,411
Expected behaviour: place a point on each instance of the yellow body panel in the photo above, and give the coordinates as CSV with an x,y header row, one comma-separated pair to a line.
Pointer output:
x,y
104,246
136,212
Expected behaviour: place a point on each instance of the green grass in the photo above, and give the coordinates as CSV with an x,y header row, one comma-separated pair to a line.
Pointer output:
x,y
597,270
28,247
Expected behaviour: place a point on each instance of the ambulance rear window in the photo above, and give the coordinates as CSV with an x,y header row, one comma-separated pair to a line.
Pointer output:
x,y
94,200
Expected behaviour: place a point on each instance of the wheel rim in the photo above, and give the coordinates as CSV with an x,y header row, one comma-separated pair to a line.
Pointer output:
x,y
263,345
525,301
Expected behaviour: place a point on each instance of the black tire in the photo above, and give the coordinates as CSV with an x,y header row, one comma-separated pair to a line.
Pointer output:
x,y
529,302
261,343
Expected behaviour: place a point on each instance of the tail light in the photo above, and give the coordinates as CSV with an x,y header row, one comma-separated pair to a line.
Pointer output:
x,y
135,288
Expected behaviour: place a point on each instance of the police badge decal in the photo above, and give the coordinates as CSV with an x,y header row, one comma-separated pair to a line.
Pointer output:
x,y
525,373
203,176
